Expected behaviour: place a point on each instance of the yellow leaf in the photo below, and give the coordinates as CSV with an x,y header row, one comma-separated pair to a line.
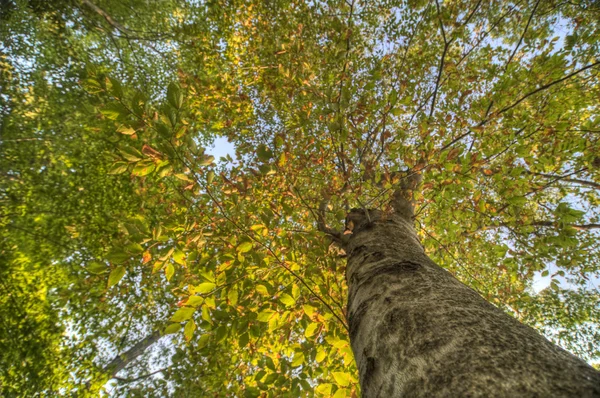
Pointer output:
x,y
309,310
287,300
341,378
169,271
341,393
183,314
194,301
310,330
179,257
262,289
205,287
244,247
321,354
282,160
324,389
232,296
126,130
298,359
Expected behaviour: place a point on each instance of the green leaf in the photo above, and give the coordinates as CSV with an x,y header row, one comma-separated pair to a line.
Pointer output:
x,y
96,267
188,331
183,314
206,160
118,168
116,275
126,130
117,256
243,340
309,310
262,289
264,153
116,88
114,111
232,295
172,328
141,170
203,341
174,95
131,154
287,300
265,315
183,177
517,200
134,248
244,247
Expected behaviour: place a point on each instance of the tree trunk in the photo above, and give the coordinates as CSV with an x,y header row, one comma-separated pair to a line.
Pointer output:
x,y
416,331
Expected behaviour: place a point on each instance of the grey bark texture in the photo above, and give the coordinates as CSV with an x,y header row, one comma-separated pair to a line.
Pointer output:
x,y
416,331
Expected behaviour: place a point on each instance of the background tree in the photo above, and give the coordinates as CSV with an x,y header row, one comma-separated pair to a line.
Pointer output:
x,y
329,106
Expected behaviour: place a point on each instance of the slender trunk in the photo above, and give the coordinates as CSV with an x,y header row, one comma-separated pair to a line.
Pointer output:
x,y
416,331
120,361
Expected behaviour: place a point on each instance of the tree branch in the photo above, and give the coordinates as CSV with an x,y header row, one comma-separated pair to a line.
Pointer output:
x,y
546,86
578,227
439,76
120,361
522,36
106,16
127,381
563,178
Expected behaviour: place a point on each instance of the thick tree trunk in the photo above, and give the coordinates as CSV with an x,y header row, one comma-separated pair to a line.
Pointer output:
x,y
416,331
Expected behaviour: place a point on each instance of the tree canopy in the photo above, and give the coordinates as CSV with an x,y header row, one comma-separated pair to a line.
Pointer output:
x,y
136,262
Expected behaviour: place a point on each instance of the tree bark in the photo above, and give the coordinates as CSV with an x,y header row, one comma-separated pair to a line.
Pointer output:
x,y
416,331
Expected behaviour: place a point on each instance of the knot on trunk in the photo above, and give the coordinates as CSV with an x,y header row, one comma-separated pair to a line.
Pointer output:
x,y
403,201
361,219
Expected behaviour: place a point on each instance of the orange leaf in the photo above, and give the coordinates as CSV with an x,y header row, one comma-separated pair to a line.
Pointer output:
x,y
146,257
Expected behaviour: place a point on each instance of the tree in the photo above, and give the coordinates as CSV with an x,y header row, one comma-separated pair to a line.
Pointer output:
x,y
483,117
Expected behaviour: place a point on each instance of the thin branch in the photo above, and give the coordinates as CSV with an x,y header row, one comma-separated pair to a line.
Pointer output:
x,y
546,86
575,180
514,52
578,227
472,13
106,16
441,67
127,381
522,36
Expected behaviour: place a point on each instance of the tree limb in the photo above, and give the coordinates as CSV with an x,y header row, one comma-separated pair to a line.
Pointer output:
x,y
106,16
120,361
546,86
